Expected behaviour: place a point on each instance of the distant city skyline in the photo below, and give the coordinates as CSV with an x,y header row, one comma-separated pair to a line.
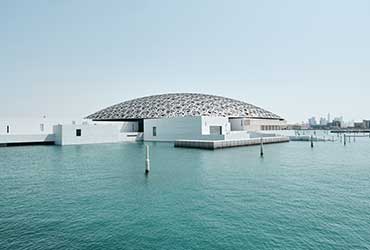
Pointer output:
x,y
296,59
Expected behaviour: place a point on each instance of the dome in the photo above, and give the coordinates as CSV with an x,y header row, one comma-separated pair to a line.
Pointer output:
x,y
180,105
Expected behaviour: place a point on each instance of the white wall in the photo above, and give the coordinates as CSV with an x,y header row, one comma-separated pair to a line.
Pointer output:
x,y
185,128
171,129
31,125
26,138
104,133
247,124
198,128
93,133
124,127
208,121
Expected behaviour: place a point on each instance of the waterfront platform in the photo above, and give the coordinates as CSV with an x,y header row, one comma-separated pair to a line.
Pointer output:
x,y
218,144
31,139
343,131
308,138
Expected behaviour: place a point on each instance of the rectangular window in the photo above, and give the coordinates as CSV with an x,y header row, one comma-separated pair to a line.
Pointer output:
x,y
154,131
7,129
78,132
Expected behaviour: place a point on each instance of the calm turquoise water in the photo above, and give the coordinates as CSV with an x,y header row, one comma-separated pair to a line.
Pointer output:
x,y
97,197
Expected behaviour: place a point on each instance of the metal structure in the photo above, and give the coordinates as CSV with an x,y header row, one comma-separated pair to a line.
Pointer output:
x,y
181,105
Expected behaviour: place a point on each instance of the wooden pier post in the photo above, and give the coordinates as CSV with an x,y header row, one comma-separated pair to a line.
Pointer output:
x,y
147,160
261,151
345,140
311,141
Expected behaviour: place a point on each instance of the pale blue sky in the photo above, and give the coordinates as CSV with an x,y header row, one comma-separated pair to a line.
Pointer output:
x,y
295,58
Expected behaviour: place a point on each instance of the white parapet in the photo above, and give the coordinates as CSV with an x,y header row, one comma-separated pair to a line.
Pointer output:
x,y
26,139
72,134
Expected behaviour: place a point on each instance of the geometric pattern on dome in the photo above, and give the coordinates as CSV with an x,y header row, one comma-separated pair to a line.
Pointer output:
x,y
180,105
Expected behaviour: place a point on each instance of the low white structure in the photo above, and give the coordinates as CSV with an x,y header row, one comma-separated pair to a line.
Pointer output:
x,y
88,133
167,117
192,128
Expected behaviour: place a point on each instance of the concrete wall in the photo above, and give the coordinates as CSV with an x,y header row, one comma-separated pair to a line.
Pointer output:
x,y
247,124
31,125
171,129
198,128
4,139
94,133
236,135
208,121
191,128
66,134
124,127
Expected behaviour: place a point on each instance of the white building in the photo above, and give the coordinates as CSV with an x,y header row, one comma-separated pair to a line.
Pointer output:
x,y
167,117
189,116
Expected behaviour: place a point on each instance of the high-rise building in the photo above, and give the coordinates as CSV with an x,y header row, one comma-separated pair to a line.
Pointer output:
x,y
323,121
312,121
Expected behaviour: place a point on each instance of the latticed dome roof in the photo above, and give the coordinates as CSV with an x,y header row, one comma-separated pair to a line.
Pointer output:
x,y
180,105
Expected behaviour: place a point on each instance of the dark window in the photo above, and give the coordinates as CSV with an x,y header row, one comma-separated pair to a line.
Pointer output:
x,y
154,131
7,129
78,132
141,125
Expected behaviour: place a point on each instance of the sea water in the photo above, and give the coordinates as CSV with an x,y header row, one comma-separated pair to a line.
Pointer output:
x,y
98,197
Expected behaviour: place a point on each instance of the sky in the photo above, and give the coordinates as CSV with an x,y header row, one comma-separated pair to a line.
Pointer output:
x,y
295,58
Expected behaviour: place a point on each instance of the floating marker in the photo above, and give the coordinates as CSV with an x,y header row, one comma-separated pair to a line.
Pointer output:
x,y
147,161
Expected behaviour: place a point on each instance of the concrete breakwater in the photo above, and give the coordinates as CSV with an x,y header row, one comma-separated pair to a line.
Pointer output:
x,y
208,144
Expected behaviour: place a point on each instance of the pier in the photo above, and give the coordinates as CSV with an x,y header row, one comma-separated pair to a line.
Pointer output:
x,y
218,144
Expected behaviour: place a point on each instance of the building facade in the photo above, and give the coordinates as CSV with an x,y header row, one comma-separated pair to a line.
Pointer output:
x,y
171,117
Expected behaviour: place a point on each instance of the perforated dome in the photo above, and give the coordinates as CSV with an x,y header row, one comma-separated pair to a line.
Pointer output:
x,y
180,105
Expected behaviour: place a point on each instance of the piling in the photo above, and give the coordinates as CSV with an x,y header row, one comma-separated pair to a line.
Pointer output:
x,y
147,160
345,140
261,153
311,141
